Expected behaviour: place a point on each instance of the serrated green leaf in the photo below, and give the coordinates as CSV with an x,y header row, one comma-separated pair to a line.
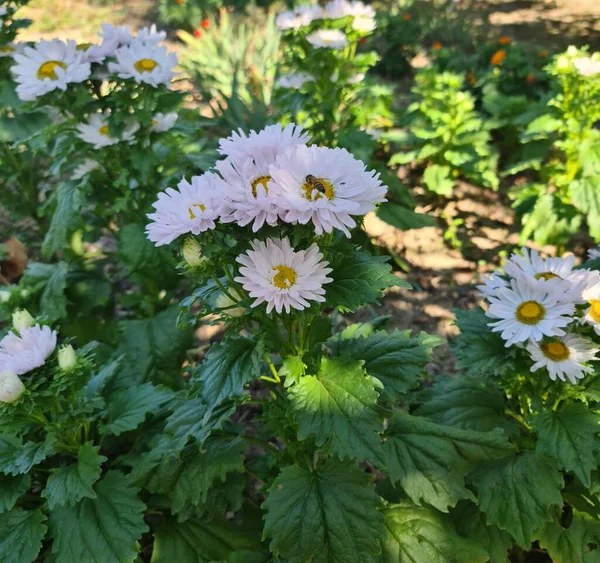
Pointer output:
x,y
67,206
140,255
17,457
328,515
571,436
430,461
585,194
127,408
105,529
395,359
292,369
21,535
98,381
339,407
419,534
52,280
517,493
11,488
68,485
579,543
437,179
228,366
404,218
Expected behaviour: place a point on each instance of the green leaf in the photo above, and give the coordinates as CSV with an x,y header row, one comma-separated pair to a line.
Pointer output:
x,y
293,368
17,458
68,201
585,195
52,279
140,255
579,543
421,535
127,408
328,515
404,218
517,492
339,407
589,154
105,529
21,535
430,461
358,278
200,541
395,359
11,488
463,402
541,127
437,179
68,485
98,381
571,436
228,366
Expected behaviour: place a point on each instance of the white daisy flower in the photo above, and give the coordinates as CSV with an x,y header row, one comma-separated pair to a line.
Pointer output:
x,y
162,122
587,66
529,311
93,53
294,80
264,146
84,169
490,284
12,49
325,186
301,16
145,62
11,387
564,356
114,37
246,197
594,253
273,272
47,66
591,315
28,350
328,38
363,15
151,35
193,208
95,131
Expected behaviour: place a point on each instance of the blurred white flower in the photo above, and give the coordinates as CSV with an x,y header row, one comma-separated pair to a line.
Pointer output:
x,y
363,15
162,122
84,169
11,387
594,253
490,284
151,35
328,38
93,53
299,17
95,131
47,66
145,62
294,80
586,66
3,12
114,37
12,49
28,350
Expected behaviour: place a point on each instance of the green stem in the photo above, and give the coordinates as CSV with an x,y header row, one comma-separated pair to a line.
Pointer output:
x,y
272,368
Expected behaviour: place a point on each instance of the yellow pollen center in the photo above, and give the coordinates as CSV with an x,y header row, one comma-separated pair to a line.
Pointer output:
x,y
153,122
555,351
103,130
530,312
46,70
260,181
285,277
6,49
316,188
145,65
83,46
595,309
546,276
199,206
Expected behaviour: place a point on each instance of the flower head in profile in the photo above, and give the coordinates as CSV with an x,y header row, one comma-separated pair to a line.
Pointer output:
x,y
297,18
12,49
28,350
151,35
48,66
114,36
324,186
363,16
162,122
490,284
294,80
145,62
96,131
272,272
11,387
84,169
328,39
192,208
594,253
563,357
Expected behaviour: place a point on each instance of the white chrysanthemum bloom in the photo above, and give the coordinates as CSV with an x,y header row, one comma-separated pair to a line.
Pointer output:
x,y
228,305
192,208
114,37
84,169
294,80
325,186
564,356
93,53
529,311
587,66
591,315
594,253
246,197
28,350
47,66
151,35
490,284
12,49
11,387
145,62
162,122
273,272
301,16
95,131
363,15
328,39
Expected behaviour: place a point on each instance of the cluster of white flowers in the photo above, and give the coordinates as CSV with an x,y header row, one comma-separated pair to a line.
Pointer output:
x,y
544,306
51,65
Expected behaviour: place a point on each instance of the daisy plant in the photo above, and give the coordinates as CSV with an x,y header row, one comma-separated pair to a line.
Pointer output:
x,y
531,357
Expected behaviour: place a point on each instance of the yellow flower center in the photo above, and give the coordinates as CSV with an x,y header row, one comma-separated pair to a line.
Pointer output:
x,y
83,46
6,49
285,277
103,130
145,65
555,351
315,188
199,206
46,70
595,309
546,276
260,181
153,122
530,312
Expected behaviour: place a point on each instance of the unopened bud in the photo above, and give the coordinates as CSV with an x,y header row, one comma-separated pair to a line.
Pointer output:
x,y
11,387
225,302
67,359
192,253
22,319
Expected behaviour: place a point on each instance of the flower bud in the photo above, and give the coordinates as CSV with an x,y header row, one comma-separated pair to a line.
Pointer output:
x,y
192,253
67,359
11,387
4,296
22,319
224,301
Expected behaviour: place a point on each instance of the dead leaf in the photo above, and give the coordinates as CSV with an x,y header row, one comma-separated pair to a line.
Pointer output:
x,y
13,264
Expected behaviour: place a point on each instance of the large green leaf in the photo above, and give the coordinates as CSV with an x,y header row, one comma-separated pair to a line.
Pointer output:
x,y
21,535
571,436
404,218
430,461
579,543
68,485
11,488
105,529
396,359
421,535
437,179
228,366
517,493
326,515
585,194
17,457
52,280
68,201
339,407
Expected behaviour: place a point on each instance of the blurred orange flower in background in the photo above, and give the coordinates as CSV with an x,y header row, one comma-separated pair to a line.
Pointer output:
x,y
197,33
407,17
530,78
543,53
179,1
436,45
471,78
498,57
504,40
205,23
